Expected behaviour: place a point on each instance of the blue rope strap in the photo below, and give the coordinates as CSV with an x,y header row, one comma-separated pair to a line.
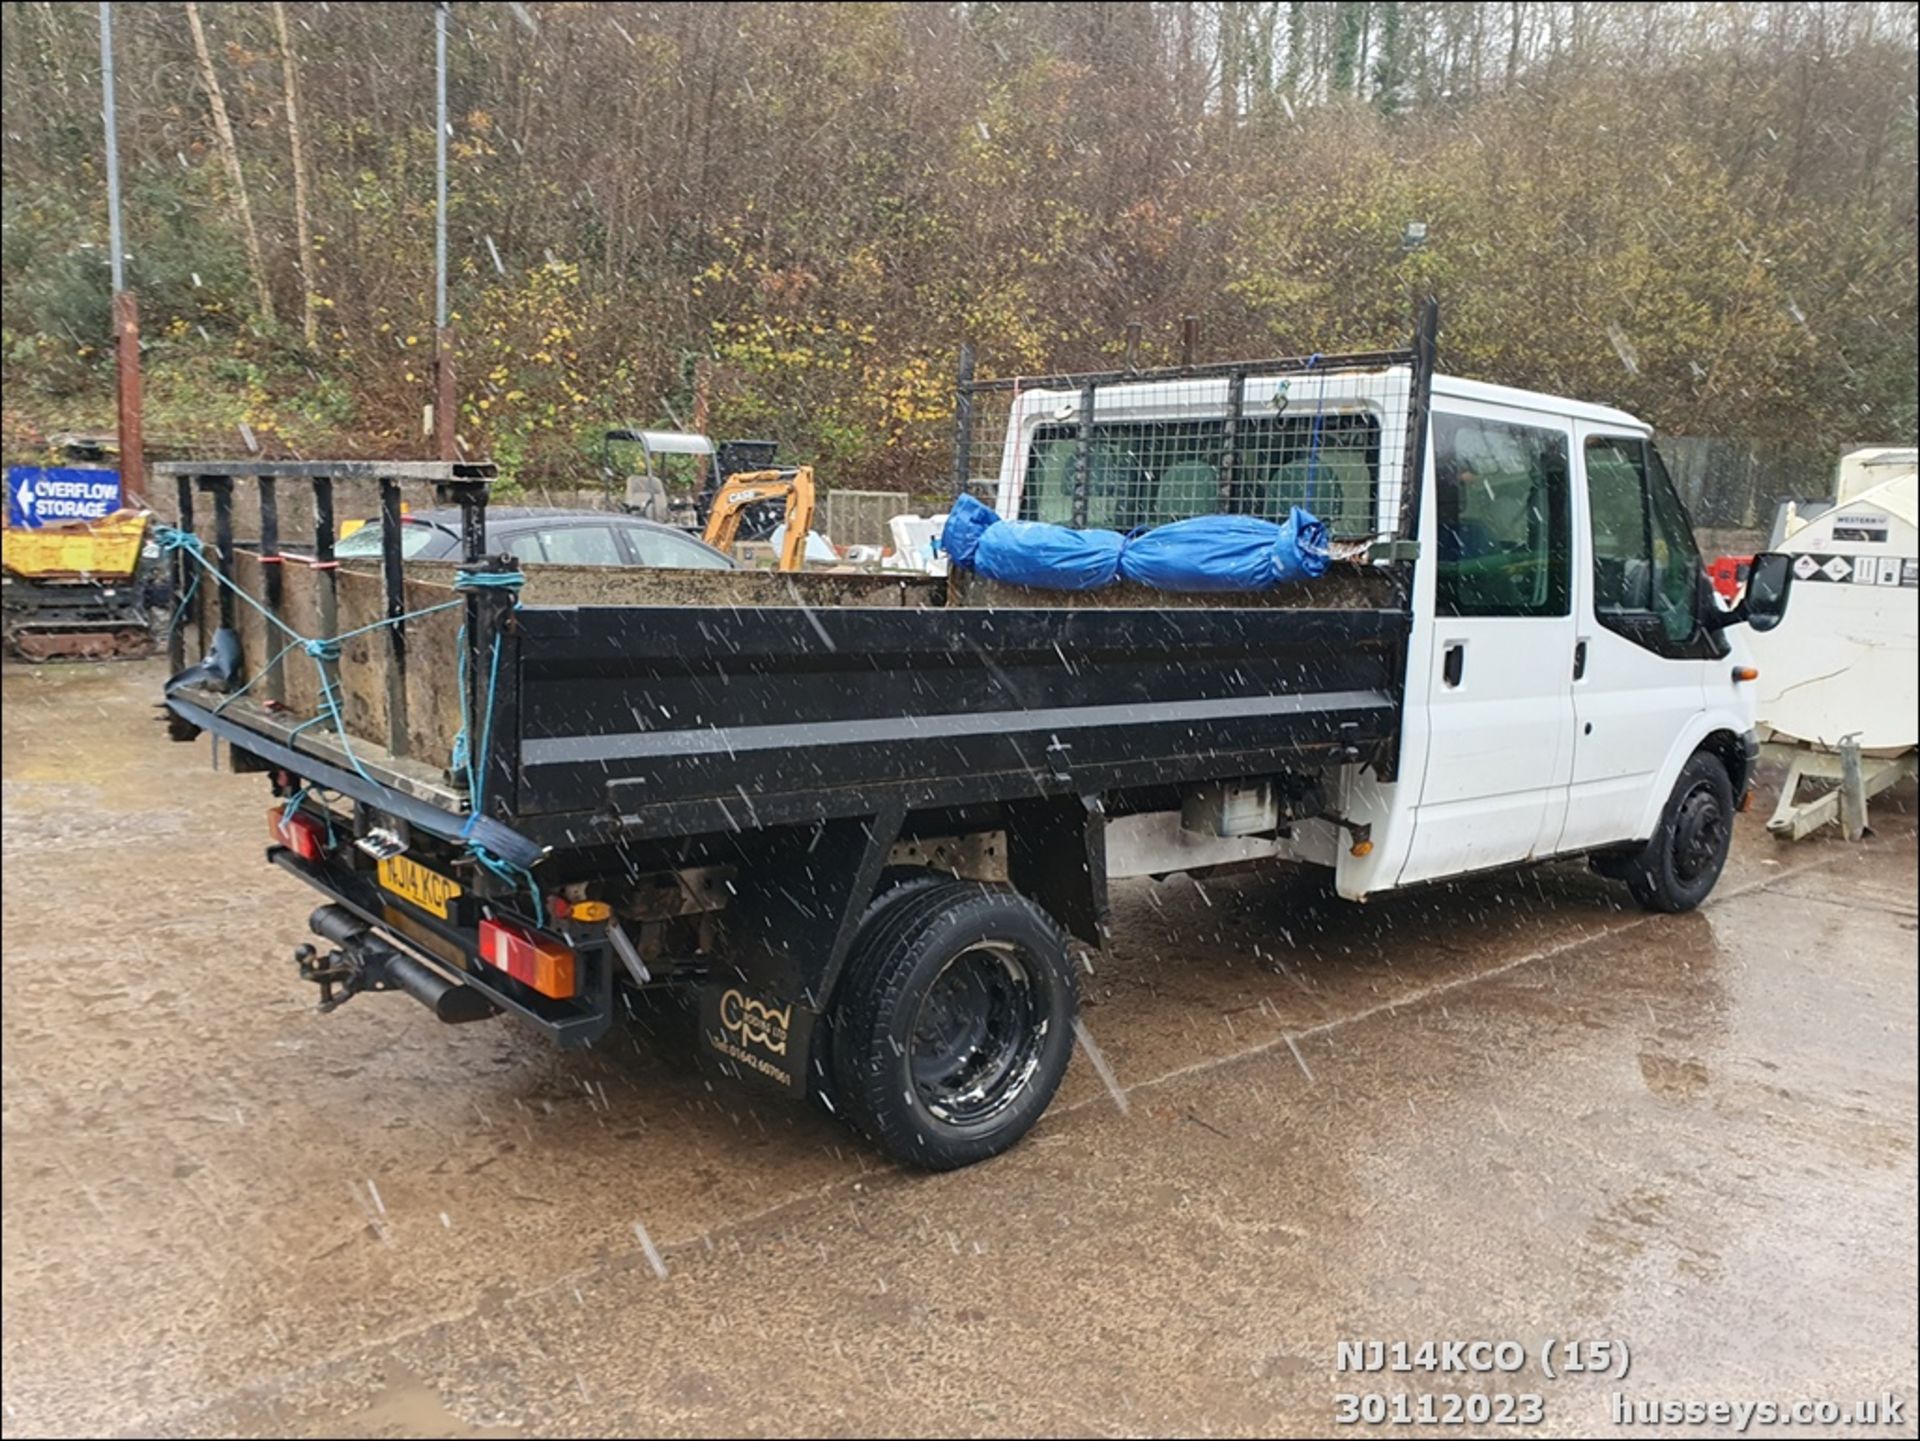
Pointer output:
x,y
299,799
461,762
464,759
172,540
325,650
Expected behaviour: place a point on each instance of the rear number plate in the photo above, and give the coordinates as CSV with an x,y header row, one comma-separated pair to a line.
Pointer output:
x,y
411,881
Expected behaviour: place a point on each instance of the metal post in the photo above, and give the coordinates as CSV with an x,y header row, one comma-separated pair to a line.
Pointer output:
x,y
491,693
220,487
1419,397
115,239
1853,789
445,442
328,598
963,421
272,581
126,362
445,402
1083,459
496,703
471,496
440,165
126,313
183,576
1189,338
1133,345
1230,437
394,574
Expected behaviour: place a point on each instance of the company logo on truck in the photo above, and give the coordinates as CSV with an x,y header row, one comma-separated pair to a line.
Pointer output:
x,y
765,1040
755,1022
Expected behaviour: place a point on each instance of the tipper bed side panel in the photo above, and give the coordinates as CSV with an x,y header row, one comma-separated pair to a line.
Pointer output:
x,y
710,718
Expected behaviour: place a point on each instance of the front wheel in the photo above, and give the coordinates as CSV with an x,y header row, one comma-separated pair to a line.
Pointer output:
x,y
954,1024
1679,866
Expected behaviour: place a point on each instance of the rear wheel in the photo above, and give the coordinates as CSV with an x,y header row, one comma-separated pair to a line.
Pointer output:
x,y
897,884
1678,867
954,1024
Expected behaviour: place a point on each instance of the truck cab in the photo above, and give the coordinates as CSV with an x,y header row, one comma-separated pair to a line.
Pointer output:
x,y
1565,658
1563,641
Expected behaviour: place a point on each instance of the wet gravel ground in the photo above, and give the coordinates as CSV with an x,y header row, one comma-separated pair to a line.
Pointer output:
x,y
1512,1109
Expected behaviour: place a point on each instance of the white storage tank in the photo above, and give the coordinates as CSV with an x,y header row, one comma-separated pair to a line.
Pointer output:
x,y
1846,659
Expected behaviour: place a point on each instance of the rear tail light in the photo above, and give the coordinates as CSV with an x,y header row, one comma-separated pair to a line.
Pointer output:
x,y
299,833
529,957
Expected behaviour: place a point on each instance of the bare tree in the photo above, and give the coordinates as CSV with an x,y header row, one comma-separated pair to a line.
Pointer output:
x,y
230,154
1351,19
309,306
637,189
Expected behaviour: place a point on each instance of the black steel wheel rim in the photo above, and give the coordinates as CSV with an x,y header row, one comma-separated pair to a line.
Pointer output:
x,y
977,1034
1699,834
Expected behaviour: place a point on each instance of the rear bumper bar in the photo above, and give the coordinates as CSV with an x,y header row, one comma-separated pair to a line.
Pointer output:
x,y
576,1023
500,840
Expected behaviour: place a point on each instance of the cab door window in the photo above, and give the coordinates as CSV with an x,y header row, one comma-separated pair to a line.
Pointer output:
x,y
1501,493
1646,566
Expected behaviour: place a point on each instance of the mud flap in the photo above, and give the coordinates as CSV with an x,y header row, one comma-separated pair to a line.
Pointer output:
x,y
757,1039
784,939
1057,856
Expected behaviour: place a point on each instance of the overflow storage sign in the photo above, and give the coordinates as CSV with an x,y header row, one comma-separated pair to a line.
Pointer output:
x,y
38,496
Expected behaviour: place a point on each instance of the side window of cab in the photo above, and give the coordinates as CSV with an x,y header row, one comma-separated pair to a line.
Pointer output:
x,y
1647,571
1501,496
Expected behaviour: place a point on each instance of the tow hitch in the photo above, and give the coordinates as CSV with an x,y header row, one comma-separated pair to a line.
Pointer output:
x,y
364,962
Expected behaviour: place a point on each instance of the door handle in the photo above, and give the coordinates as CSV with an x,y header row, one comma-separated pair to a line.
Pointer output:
x,y
1453,664
1579,660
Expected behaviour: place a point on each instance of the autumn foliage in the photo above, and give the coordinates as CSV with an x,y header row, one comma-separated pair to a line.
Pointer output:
x,y
1705,214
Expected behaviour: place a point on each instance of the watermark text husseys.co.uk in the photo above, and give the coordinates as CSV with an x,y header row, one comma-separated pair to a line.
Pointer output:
x,y
1885,1410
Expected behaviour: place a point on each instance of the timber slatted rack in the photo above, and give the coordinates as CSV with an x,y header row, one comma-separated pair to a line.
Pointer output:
x,y
464,483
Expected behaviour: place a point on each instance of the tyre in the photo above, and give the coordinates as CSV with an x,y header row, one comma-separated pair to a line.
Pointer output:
x,y
1615,863
953,1024
897,883
1679,866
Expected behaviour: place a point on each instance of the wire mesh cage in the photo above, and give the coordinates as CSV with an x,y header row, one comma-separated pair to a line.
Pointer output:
x,y
1335,434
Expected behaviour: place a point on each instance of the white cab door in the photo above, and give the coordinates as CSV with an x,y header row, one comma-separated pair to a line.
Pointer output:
x,y
1500,706
1645,656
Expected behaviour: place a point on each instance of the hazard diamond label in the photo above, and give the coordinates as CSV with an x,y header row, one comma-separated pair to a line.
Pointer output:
x,y
1891,571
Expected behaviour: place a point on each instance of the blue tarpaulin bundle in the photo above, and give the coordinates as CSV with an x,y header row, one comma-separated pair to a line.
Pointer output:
x,y
1209,552
1028,552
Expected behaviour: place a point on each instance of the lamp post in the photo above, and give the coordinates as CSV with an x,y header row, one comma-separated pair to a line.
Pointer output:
x,y
445,444
126,312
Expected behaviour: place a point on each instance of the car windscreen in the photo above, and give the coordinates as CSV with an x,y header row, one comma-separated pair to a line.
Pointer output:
x,y
664,548
415,540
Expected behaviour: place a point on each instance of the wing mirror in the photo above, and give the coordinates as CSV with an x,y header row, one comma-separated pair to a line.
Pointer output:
x,y
1764,605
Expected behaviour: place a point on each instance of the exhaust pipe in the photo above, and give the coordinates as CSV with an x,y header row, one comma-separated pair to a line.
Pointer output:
x,y
452,1002
384,968
337,924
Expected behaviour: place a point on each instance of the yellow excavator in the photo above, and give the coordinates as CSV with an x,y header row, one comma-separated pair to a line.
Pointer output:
x,y
794,485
